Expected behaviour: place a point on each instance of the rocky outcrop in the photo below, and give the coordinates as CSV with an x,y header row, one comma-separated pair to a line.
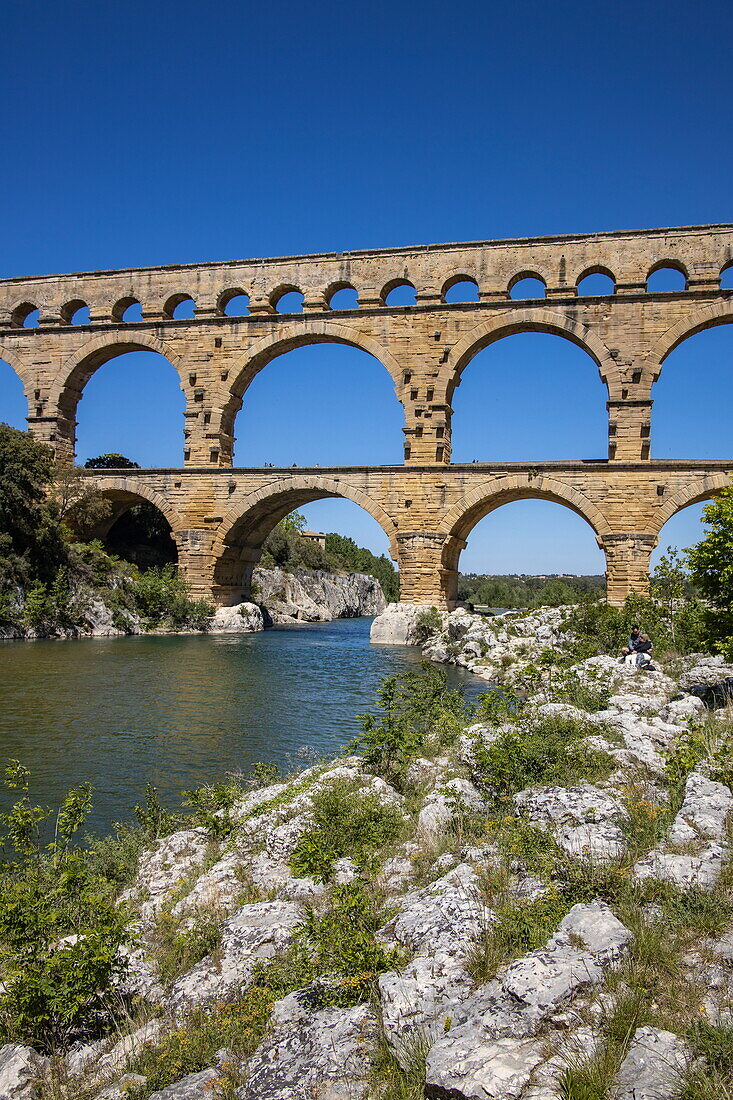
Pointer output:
x,y
399,624
313,596
242,618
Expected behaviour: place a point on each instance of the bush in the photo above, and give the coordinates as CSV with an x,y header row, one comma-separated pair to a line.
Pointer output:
x,y
161,597
414,710
346,822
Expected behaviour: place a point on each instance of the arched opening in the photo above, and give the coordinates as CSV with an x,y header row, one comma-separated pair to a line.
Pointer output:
x,y
461,288
75,312
399,292
234,303
137,531
133,405
179,307
726,277
525,552
127,311
343,297
324,404
596,283
528,284
26,315
683,530
529,396
13,405
692,398
328,508
666,278
287,300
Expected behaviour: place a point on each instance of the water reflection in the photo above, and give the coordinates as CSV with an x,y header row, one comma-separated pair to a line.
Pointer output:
x,y
181,711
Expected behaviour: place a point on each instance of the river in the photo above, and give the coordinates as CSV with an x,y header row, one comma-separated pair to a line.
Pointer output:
x,y
184,710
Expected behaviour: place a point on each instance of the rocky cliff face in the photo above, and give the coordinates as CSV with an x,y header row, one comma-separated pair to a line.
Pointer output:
x,y
312,596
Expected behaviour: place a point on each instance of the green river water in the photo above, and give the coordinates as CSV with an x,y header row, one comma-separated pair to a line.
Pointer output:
x,y
180,711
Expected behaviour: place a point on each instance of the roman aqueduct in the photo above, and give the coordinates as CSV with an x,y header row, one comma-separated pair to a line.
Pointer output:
x,y
221,514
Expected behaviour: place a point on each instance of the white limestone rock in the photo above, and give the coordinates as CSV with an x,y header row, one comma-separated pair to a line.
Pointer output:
x,y
704,669
653,1068
197,1086
448,915
321,1055
314,595
597,928
254,934
20,1069
161,871
398,624
704,811
583,819
241,618
418,1001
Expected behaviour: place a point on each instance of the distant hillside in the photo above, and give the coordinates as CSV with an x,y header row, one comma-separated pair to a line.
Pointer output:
x,y
521,590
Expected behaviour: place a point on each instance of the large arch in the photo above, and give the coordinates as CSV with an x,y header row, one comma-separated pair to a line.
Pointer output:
x,y
123,492
14,404
720,313
310,332
528,320
699,490
242,531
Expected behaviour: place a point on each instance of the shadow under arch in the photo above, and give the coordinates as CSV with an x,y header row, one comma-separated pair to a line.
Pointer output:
x,y
528,320
285,340
479,503
252,516
124,492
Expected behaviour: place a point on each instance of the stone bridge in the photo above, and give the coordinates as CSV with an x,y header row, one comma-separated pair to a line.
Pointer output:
x,y
220,514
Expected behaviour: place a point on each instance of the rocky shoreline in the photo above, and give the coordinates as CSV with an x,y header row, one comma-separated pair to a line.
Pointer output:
x,y
283,597
510,932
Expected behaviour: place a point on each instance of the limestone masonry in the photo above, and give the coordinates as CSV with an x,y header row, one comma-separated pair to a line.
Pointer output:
x,y
220,515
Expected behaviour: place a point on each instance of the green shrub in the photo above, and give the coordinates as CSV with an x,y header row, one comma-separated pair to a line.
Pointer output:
x,y
536,750
429,622
413,710
161,597
177,950
211,805
346,822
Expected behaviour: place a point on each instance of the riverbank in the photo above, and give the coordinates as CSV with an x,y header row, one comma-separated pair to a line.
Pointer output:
x,y
509,901
110,607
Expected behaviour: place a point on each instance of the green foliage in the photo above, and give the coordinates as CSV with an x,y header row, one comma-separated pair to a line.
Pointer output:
x,y
710,741
31,545
534,750
211,805
153,818
414,709
111,461
59,931
345,823
161,597
519,927
429,622
286,548
296,521
177,950
600,628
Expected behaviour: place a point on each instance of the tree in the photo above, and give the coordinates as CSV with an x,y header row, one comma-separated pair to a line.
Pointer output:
x,y
111,461
77,502
711,567
668,584
30,542
296,521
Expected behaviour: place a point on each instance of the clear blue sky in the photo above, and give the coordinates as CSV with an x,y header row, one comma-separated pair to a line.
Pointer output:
x,y
167,132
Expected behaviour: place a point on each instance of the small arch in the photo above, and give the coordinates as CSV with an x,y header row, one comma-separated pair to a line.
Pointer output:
x,y
666,277
527,284
233,302
287,299
726,276
342,296
460,288
127,311
179,307
399,292
75,312
25,315
596,281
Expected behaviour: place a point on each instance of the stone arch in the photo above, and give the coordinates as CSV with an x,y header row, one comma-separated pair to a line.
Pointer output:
x,y
15,362
297,336
132,490
78,368
456,276
250,518
703,489
719,313
528,320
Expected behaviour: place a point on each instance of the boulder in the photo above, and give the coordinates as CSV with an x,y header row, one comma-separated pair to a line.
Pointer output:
x,y
398,624
197,1086
241,618
162,870
653,1068
20,1068
321,1055
583,819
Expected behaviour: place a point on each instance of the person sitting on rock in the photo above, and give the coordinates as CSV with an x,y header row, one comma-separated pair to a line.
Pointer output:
x,y
643,651
634,641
